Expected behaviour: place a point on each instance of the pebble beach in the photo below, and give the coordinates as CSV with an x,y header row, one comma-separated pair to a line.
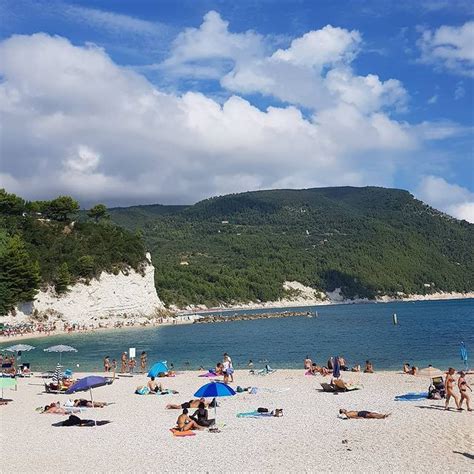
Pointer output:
x,y
418,436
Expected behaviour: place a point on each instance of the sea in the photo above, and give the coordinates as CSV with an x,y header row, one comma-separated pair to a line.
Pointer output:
x,y
428,332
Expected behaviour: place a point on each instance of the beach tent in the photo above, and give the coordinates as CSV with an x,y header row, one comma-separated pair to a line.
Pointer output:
x,y
213,390
157,368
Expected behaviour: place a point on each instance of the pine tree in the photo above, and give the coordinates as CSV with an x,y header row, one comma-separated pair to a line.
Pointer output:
x,y
19,275
99,211
63,279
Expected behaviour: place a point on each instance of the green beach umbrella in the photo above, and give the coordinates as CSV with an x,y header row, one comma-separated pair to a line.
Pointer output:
x,y
7,382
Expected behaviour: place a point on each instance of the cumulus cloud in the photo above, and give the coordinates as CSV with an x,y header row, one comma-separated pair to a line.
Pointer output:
x,y
76,122
450,48
450,198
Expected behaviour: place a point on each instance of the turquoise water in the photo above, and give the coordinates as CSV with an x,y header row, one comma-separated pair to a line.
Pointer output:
x,y
428,333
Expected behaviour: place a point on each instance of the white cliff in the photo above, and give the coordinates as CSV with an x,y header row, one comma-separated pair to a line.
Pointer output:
x,y
126,295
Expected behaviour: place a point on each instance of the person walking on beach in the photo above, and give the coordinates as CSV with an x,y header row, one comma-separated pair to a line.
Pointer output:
x,y
143,361
449,384
464,390
124,365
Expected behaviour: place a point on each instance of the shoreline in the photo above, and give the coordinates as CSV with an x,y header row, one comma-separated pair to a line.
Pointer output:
x,y
180,318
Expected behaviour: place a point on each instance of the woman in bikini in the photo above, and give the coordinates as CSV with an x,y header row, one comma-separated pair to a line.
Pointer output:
x,y
464,390
449,384
185,423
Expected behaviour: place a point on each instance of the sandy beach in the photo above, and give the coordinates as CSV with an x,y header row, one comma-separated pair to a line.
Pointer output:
x,y
419,436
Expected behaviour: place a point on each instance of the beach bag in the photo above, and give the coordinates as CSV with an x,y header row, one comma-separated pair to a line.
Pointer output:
x,y
262,410
142,391
239,389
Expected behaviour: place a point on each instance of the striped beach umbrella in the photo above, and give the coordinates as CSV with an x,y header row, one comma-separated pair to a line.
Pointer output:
x,y
57,376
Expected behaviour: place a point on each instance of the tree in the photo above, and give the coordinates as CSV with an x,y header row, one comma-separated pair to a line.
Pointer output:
x,y
63,279
85,266
11,203
99,211
59,209
19,275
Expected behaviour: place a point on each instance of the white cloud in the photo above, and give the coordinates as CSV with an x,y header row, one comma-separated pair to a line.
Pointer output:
x,y
459,92
450,198
75,122
450,48
433,99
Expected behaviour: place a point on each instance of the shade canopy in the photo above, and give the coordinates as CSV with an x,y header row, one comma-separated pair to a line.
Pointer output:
x,y
215,389
430,372
20,348
60,348
157,368
86,383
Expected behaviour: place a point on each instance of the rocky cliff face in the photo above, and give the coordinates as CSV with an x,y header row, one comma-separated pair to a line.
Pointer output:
x,y
131,295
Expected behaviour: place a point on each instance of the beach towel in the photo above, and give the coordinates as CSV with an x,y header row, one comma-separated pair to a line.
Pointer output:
x,y
182,433
308,372
411,396
254,414
209,374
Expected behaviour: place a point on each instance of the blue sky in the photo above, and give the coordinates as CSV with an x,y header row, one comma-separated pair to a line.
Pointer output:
x,y
173,101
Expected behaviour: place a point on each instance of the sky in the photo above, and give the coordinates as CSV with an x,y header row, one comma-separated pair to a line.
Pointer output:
x,y
153,101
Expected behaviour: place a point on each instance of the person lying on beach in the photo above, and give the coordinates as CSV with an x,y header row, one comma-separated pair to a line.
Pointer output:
x,y
369,368
356,368
362,414
184,423
191,404
54,408
82,402
74,420
406,368
316,369
200,416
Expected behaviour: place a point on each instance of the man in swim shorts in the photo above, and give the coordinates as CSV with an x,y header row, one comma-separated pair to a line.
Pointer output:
x,y
362,414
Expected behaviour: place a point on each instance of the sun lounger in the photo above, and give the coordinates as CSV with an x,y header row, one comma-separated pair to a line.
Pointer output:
x,y
48,389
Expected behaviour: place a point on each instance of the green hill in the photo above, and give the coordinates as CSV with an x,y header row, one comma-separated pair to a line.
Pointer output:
x,y
242,247
41,245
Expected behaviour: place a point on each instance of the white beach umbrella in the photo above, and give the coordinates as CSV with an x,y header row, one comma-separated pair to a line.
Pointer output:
x,y
60,348
430,372
20,348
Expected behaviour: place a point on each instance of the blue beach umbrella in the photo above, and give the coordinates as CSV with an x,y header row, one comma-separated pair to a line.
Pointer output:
x,y
463,352
88,383
213,390
158,368
336,372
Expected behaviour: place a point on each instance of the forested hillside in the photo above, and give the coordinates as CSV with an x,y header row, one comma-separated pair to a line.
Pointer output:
x,y
242,247
40,244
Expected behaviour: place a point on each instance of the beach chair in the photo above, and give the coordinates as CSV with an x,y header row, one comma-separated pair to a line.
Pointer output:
x,y
437,389
48,389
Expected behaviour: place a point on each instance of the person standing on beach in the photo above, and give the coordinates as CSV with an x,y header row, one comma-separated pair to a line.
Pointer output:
x,y
449,384
228,369
124,365
106,364
143,361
